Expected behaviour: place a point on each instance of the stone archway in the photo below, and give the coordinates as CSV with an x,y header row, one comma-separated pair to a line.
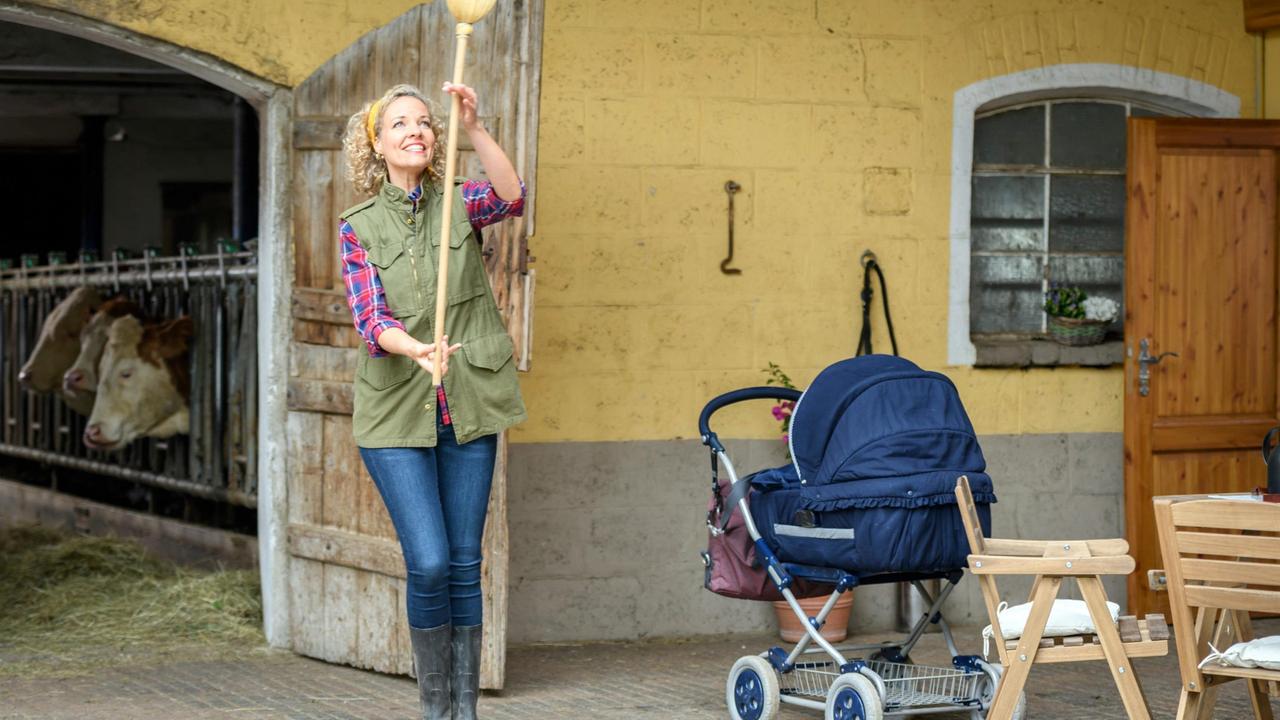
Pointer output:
x,y
274,105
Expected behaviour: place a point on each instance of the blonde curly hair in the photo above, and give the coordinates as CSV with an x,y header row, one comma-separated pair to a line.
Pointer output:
x,y
366,169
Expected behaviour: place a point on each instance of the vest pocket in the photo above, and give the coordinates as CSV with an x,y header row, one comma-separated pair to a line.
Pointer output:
x,y
458,234
383,372
490,352
467,278
395,272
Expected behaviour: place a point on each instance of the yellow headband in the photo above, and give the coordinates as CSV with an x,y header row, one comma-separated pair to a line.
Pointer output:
x,y
371,122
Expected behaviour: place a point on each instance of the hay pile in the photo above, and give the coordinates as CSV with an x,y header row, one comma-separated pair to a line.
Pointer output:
x,y
69,603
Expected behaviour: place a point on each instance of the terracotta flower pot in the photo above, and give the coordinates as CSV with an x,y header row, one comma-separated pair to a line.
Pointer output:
x,y
836,627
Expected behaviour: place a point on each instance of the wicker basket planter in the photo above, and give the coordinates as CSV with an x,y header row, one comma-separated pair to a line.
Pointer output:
x,y
1076,331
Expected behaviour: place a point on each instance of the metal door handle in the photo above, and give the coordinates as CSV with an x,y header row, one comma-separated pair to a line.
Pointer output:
x,y
1145,361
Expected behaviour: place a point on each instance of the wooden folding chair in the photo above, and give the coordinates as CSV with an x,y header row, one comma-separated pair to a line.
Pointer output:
x,y
1050,561
1221,574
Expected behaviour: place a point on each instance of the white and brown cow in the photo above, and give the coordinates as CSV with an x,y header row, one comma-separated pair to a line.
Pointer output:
x,y
80,382
144,384
58,345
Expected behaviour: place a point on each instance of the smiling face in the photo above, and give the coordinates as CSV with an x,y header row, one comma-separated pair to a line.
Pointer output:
x,y
405,138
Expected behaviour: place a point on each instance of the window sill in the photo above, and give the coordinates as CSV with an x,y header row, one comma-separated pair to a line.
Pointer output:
x,y
1046,353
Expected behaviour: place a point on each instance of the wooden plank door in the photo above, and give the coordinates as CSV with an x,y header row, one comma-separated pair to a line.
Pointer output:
x,y
345,569
1201,281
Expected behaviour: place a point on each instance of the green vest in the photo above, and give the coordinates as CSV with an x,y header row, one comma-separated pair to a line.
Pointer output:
x,y
395,403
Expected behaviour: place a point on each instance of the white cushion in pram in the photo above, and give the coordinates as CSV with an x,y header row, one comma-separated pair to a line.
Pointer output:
x,y
1263,652
1068,617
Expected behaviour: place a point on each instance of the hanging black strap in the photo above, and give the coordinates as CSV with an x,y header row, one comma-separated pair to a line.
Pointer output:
x,y
864,339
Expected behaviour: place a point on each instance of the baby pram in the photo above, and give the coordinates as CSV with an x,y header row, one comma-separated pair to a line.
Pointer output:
x,y
876,445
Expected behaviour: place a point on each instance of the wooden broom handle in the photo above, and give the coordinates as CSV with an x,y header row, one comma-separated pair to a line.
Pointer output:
x,y
446,215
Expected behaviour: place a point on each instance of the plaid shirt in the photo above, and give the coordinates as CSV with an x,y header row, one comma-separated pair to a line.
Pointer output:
x,y
365,296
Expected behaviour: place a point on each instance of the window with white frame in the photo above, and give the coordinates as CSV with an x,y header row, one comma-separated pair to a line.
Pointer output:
x,y
1047,207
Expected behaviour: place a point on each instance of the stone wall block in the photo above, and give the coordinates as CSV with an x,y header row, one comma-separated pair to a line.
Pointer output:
x,y
700,66
856,137
887,191
739,133
585,60
824,70
774,17
894,71
642,131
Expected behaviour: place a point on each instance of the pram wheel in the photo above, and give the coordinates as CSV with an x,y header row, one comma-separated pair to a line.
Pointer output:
x,y
853,697
987,690
752,692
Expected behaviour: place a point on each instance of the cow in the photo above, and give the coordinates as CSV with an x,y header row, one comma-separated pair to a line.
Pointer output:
x,y
80,382
59,343
144,384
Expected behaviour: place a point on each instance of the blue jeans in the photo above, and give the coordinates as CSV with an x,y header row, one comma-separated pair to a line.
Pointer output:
x,y
437,498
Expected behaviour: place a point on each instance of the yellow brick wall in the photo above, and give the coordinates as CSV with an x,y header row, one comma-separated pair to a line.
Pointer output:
x,y
833,115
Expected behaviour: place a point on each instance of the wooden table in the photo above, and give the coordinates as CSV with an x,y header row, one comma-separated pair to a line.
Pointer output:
x,y
1222,561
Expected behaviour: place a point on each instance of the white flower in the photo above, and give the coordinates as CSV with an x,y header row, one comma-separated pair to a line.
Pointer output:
x,y
1100,308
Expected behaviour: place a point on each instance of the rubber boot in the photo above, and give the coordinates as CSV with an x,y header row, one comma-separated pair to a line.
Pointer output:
x,y
432,650
466,671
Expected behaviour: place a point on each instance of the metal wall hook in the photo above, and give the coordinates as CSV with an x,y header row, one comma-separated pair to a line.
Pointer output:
x,y
867,257
730,188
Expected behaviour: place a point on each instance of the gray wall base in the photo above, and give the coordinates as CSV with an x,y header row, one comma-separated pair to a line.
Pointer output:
x,y
605,536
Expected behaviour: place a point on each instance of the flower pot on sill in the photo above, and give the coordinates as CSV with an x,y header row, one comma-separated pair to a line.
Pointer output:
x,y
836,627
1076,331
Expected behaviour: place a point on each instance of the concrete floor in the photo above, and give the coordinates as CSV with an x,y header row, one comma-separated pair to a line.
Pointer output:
x,y
684,679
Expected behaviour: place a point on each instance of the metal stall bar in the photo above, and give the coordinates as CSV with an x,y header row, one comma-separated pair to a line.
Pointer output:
x,y
216,459
208,492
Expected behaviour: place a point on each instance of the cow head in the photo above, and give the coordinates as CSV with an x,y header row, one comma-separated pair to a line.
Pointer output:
x,y
80,382
59,341
143,383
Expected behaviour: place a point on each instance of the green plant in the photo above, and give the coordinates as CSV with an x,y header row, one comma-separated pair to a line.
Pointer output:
x,y
1064,302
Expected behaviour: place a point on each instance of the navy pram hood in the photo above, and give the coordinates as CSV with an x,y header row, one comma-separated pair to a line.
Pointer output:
x,y
880,417
877,446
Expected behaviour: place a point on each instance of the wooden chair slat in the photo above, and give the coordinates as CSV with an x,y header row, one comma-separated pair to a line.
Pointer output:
x,y
1233,598
1237,672
1245,546
1259,517
1231,571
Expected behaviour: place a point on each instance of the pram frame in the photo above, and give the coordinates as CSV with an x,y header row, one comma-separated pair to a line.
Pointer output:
x,y
784,662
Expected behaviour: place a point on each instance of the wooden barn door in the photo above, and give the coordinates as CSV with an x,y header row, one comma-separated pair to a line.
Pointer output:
x,y
1200,281
346,573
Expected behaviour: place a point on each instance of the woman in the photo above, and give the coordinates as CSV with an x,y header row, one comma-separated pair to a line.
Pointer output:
x,y
430,452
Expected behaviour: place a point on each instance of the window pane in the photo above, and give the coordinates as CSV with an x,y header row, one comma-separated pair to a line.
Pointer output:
x,y
1087,135
1086,213
1015,137
1098,276
1005,294
1007,213
1135,111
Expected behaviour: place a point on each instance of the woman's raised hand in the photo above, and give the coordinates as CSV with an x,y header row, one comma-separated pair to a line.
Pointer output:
x,y
467,94
425,355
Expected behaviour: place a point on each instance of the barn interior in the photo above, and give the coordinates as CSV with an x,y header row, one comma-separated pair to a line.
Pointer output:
x,y
108,155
